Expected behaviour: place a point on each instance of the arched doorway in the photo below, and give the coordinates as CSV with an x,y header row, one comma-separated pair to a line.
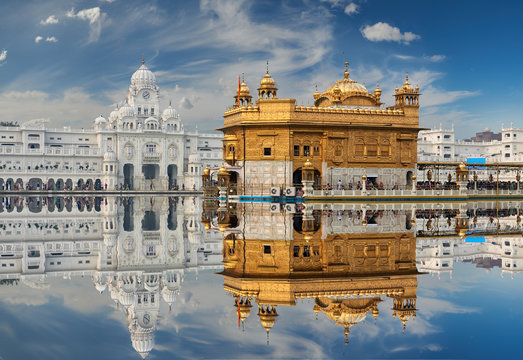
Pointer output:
x,y
296,177
128,173
60,184
98,184
19,184
409,178
35,184
172,171
233,183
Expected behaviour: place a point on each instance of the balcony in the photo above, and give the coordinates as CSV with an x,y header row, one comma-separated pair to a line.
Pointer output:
x,y
151,156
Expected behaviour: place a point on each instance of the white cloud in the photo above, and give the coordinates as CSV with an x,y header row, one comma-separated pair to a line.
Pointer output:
x,y
334,3
94,16
47,39
74,107
186,103
404,57
351,9
431,58
50,20
3,56
435,58
384,32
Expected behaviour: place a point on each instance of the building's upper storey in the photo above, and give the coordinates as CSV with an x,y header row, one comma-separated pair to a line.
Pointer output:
x,y
345,103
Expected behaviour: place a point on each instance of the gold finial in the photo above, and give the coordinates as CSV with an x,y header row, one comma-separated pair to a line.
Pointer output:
x,y
143,59
407,77
267,67
243,77
378,84
346,73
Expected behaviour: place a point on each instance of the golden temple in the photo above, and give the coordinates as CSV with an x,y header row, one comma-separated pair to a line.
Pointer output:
x,y
346,275
345,134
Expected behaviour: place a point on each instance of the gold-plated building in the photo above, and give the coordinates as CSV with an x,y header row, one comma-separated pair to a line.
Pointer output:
x,y
345,135
346,275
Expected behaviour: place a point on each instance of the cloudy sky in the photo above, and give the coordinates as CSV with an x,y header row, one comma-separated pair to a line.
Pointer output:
x,y
70,61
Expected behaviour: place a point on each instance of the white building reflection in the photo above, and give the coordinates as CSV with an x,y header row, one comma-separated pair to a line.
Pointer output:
x,y
137,249
487,235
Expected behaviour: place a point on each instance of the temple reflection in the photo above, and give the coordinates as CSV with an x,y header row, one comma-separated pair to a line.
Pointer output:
x,y
347,262
136,249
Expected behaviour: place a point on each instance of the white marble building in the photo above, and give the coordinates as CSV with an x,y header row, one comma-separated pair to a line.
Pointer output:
x,y
137,146
136,251
441,145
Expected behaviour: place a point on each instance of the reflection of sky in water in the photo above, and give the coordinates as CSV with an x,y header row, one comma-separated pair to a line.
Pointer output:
x,y
474,314
471,314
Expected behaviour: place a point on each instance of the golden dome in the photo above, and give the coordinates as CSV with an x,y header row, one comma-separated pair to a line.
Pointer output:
x,y
377,91
223,171
462,166
268,315
462,233
347,85
244,307
407,87
347,92
316,93
244,89
267,80
308,165
206,171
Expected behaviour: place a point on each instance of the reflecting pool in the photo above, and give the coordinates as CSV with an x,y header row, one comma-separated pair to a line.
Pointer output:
x,y
166,277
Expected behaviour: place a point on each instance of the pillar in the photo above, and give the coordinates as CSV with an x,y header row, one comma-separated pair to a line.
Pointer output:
x,y
307,178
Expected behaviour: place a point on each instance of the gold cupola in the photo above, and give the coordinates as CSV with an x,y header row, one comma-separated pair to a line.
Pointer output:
x,y
267,89
243,308
267,315
346,92
244,94
407,95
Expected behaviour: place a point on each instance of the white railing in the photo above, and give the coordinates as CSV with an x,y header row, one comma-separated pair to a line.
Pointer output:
x,y
51,151
151,156
360,193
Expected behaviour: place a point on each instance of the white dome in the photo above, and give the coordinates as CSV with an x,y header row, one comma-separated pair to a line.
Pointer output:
x,y
143,341
168,296
100,120
126,111
169,113
100,287
143,77
125,298
113,116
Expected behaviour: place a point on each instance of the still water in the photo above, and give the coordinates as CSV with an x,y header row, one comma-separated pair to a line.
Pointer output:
x,y
163,278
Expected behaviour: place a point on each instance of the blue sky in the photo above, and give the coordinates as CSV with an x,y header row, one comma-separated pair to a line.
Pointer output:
x,y
69,61
458,317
